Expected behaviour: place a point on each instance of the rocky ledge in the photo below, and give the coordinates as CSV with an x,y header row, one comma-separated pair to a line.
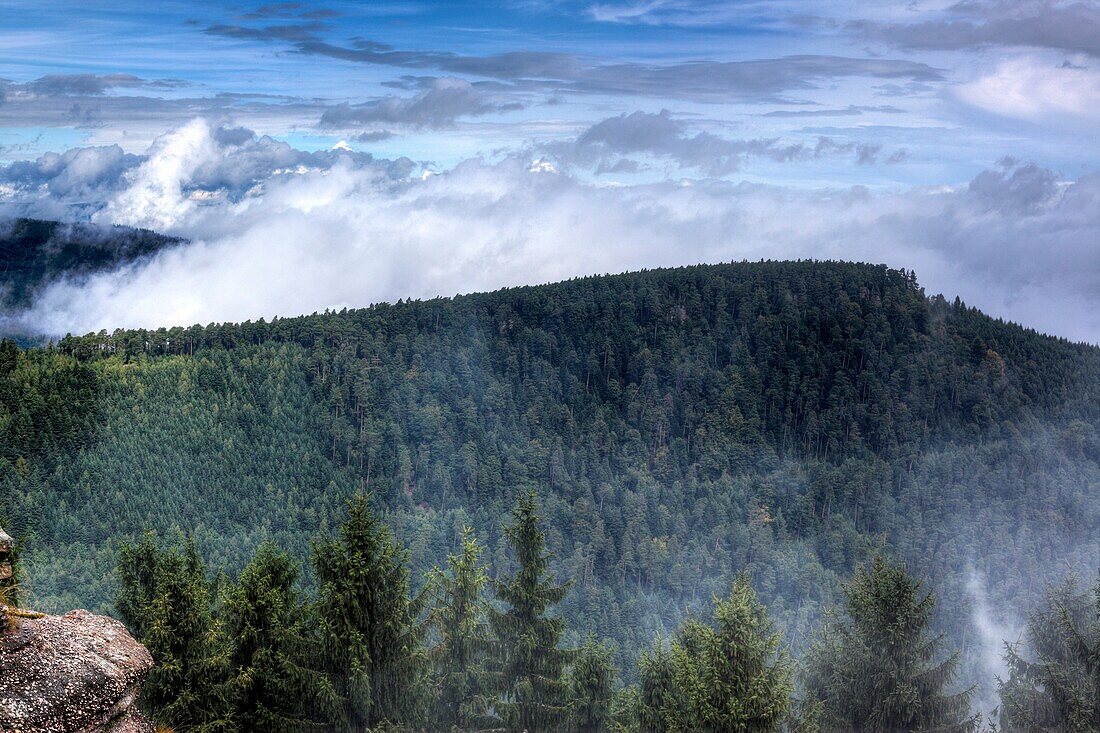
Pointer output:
x,y
77,673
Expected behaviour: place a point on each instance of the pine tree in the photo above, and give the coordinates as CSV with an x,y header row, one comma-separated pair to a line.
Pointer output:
x,y
268,688
458,617
877,670
166,600
371,645
530,678
592,687
1056,687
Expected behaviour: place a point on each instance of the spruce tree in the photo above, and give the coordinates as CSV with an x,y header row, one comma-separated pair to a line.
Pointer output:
x,y
268,688
533,692
659,701
877,670
1054,683
733,676
592,687
166,600
371,645
458,617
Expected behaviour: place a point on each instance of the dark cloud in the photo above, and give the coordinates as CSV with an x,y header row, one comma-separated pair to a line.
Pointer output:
x,y
699,80
81,84
851,110
373,136
443,102
1026,189
292,32
605,145
289,10
1066,26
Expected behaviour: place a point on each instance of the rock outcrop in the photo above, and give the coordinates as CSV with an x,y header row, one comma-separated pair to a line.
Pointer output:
x,y
77,673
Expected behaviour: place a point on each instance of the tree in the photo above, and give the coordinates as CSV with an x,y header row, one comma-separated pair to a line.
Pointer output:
x,y
659,701
592,687
530,677
268,688
723,678
876,670
165,598
732,675
370,642
458,659
1056,687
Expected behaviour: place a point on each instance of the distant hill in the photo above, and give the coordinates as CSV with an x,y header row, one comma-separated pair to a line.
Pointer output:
x,y
35,253
682,425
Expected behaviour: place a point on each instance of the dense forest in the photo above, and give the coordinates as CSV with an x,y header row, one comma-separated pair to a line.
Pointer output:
x,y
769,428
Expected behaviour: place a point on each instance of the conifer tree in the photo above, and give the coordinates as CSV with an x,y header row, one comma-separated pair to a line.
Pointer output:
x,y
166,600
264,625
727,677
530,678
1054,684
592,687
733,676
458,617
877,670
658,699
371,645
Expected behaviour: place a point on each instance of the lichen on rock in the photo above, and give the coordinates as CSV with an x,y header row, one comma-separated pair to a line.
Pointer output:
x,y
77,673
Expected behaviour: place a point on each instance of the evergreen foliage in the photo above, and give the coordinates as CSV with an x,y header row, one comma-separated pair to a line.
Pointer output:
x,y
533,690
265,631
1054,684
592,682
370,637
878,668
166,599
463,644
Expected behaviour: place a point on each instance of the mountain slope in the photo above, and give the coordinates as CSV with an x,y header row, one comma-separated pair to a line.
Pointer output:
x,y
681,425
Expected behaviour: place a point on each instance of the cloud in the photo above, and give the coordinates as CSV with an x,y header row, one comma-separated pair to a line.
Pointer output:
x,y
1035,90
852,110
1072,27
185,169
696,80
1016,241
439,105
82,84
660,135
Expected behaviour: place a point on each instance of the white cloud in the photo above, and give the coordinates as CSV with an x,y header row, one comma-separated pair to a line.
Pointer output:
x,y
1037,90
1015,242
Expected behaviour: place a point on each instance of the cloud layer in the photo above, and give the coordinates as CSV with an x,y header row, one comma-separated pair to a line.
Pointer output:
x,y
281,232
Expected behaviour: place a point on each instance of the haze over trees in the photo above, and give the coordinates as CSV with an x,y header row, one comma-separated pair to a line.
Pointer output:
x,y
788,421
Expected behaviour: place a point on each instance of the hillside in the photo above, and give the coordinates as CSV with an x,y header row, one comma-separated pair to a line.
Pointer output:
x,y
786,418
36,253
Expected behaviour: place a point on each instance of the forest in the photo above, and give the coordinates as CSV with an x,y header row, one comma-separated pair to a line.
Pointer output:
x,y
748,449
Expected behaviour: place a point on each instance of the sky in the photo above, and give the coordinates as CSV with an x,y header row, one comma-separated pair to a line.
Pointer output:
x,y
335,154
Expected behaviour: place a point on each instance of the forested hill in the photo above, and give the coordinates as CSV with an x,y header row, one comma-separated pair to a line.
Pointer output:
x,y
785,418
35,253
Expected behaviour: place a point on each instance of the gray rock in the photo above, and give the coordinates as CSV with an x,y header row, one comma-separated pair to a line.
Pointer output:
x,y
77,673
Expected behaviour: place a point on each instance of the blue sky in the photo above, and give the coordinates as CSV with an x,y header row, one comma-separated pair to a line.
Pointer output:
x,y
910,102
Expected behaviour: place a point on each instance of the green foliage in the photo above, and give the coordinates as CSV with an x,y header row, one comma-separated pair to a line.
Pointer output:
x,y
786,419
877,669
592,683
458,618
165,599
533,691
726,678
370,639
1056,686
265,630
